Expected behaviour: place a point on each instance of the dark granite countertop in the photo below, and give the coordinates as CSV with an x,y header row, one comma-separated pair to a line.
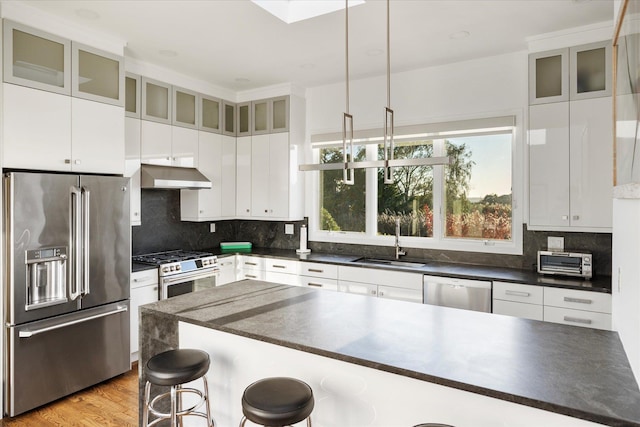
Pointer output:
x,y
580,372
465,271
136,266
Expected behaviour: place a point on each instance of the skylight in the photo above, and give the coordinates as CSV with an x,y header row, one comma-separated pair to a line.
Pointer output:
x,y
291,11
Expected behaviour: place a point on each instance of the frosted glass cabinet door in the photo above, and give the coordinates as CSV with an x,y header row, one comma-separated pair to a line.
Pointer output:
x,y
97,75
228,118
132,93
37,129
185,108
156,101
591,146
279,112
244,125
36,59
591,73
549,76
549,164
261,112
210,114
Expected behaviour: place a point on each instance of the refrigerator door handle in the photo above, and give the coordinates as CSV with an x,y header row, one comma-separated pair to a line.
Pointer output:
x,y
86,194
29,334
76,244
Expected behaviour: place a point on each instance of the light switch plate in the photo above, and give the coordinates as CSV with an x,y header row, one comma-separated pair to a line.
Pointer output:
x,y
288,229
212,227
555,243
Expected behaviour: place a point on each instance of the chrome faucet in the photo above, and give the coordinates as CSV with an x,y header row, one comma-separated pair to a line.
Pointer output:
x,y
399,251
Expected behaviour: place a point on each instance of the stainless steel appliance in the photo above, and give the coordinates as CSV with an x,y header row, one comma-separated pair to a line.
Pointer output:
x,y
565,263
181,272
67,265
457,293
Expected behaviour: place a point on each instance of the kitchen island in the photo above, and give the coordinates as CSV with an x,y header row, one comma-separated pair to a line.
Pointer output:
x,y
389,363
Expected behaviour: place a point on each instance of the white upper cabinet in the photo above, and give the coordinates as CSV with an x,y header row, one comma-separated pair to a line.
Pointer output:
x,y
156,101
36,59
575,73
185,108
216,160
210,114
243,176
132,166
570,167
133,94
97,75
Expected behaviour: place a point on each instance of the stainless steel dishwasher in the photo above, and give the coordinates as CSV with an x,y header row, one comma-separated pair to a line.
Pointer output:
x,y
466,294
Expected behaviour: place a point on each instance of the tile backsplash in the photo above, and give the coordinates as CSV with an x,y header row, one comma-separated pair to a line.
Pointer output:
x,y
162,229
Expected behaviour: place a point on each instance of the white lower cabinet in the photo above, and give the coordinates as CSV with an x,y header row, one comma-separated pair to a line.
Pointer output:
x,y
320,276
144,290
389,284
514,299
251,267
578,308
557,305
319,283
228,270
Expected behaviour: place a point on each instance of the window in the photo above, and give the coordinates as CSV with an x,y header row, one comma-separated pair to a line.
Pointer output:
x,y
465,205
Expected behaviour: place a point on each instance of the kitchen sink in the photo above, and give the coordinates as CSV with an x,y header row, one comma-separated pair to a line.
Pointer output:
x,y
391,262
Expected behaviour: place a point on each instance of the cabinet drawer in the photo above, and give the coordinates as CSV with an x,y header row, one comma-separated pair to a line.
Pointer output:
x,y
587,319
282,266
144,278
517,292
518,309
577,300
227,263
253,274
252,262
282,278
327,271
319,283
401,294
358,288
374,276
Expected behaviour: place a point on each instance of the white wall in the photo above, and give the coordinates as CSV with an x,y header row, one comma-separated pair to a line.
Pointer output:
x,y
470,89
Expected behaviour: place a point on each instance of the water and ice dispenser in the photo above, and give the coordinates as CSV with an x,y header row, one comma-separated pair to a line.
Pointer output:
x,y
46,277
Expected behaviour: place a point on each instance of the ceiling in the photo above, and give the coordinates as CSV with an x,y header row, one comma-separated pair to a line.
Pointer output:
x,y
240,46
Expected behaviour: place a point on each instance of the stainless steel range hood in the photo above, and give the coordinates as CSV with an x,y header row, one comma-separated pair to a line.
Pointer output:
x,y
170,177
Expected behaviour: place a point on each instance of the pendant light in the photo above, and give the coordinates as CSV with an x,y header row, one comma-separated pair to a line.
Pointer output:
x,y
388,115
388,163
347,118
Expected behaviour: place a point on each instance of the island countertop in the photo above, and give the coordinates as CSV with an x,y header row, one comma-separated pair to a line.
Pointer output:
x,y
579,372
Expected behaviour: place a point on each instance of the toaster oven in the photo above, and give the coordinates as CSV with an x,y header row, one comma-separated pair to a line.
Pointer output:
x,y
565,263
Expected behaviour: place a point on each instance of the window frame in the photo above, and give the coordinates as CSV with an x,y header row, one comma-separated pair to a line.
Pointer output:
x,y
437,132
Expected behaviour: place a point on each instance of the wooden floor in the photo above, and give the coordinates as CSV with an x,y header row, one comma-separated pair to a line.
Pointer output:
x,y
111,404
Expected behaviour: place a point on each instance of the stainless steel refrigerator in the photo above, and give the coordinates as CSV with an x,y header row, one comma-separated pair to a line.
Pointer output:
x,y
67,262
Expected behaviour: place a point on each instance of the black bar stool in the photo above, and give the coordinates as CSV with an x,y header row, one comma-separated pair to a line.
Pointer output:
x,y
277,402
174,368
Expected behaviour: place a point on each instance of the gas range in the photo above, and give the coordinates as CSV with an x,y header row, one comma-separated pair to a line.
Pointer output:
x,y
175,262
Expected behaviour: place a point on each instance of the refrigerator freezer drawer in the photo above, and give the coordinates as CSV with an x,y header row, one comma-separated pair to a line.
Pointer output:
x,y
52,358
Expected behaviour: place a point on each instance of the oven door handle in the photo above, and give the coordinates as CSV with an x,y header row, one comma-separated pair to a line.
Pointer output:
x,y
181,278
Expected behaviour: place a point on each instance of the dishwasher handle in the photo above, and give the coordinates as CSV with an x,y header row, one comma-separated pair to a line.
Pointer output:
x,y
457,283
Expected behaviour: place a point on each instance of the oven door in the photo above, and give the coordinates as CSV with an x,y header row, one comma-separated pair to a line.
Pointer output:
x,y
188,282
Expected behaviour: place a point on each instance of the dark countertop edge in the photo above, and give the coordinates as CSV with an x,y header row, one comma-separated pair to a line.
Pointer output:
x,y
136,266
601,284
534,403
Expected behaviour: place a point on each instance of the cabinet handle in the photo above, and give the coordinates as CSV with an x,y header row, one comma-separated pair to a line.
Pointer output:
x,y
315,270
250,276
135,280
517,293
250,263
169,158
381,293
155,288
565,217
578,300
67,161
576,217
266,211
373,292
247,210
317,285
278,266
135,214
577,320
222,264
201,211
77,162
